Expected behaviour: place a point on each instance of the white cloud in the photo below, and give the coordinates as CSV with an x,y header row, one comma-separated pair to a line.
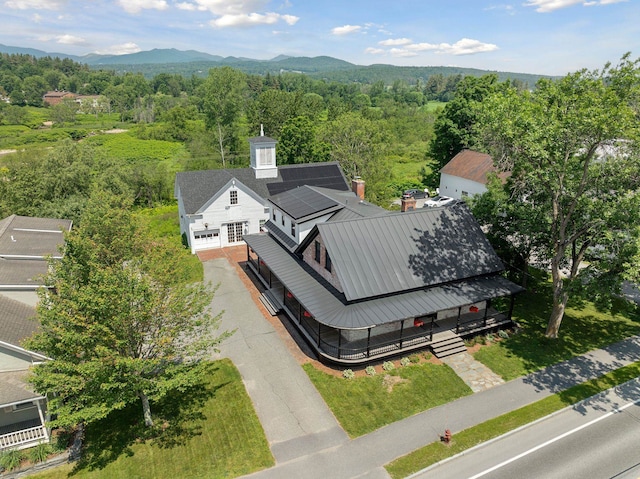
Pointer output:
x,y
544,6
225,7
190,7
466,46
123,49
394,42
346,29
35,4
37,18
402,52
136,6
374,51
252,19
71,40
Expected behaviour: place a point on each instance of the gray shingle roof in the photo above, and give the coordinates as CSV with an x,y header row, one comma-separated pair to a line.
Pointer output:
x,y
388,254
198,187
330,308
14,388
27,236
17,321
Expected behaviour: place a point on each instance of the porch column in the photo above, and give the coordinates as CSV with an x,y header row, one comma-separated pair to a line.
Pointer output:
x,y
458,320
44,426
369,342
486,310
339,344
401,331
513,299
319,335
433,322
270,286
248,255
299,313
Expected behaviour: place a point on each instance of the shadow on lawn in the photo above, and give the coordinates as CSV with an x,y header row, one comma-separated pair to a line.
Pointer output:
x,y
580,333
178,417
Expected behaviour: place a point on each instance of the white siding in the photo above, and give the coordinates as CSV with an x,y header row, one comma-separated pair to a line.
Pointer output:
x,y
220,213
453,186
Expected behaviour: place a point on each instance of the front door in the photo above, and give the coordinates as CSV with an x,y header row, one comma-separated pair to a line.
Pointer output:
x,y
234,231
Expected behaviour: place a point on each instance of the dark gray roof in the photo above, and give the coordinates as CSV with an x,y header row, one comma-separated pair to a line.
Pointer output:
x,y
198,187
287,241
17,321
303,202
261,139
330,308
27,236
387,254
23,273
354,207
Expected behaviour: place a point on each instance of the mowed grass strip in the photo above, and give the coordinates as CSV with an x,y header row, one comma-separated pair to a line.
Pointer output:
x,y
584,328
211,432
364,404
437,451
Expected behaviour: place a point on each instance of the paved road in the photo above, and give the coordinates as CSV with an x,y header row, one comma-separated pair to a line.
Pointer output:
x,y
305,438
597,438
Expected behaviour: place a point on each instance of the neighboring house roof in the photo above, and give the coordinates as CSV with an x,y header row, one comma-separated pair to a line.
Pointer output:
x,y
391,253
25,236
471,165
58,94
198,187
24,244
14,388
17,321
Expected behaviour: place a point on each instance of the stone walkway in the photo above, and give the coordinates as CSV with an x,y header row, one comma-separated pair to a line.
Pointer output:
x,y
475,374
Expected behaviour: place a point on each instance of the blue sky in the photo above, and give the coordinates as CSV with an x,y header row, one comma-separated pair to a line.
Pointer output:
x,y
531,36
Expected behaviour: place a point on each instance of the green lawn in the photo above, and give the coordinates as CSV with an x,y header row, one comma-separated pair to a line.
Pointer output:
x,y
213,432
583,328
473,436
364,404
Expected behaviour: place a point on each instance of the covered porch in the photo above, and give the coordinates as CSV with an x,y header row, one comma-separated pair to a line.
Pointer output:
x,y
22,425
482,309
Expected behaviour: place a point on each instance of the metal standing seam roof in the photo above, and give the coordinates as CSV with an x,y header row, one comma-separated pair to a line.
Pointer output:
x,y
471,165
329,309
388,254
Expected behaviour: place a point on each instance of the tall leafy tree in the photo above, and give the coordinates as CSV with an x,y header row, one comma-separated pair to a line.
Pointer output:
x,y
454,127
222,98
121,323
571,146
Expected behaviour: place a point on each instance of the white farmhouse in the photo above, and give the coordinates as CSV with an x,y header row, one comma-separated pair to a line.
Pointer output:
x,y
218,207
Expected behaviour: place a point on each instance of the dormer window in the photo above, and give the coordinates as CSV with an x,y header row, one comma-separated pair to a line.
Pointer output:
x,y
233,197
274,214
282,219
317,255
327,261
293,229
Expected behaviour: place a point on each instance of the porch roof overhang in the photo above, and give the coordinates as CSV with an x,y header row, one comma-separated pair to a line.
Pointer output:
x,y
329,309
15,390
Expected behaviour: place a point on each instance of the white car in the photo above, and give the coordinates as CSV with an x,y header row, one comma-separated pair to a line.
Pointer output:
x,y
438,201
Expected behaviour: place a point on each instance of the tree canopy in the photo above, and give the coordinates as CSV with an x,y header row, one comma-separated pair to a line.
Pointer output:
x,y
571,146
119,320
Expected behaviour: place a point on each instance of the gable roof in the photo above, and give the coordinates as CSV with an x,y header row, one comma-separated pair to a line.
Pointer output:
x,y
14,388
16,321
471,165
198,187
388,254
25,236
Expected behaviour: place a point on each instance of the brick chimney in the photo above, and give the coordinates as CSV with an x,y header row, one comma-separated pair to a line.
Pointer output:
x,y
357,186
408,204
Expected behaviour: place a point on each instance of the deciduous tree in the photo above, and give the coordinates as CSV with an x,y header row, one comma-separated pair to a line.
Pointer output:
x,y
120,322
569,145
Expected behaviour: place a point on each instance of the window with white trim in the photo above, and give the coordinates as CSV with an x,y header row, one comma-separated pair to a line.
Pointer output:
x,y
233,197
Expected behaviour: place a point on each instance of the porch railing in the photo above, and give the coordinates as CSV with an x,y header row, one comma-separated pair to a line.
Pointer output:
x,y
23,437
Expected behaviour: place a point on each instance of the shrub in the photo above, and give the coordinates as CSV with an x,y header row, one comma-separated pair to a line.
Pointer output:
x,y
470,342
503,334
348,374
370,370
40,452
11,459
388,366
427,355
414,358
490,338
405,362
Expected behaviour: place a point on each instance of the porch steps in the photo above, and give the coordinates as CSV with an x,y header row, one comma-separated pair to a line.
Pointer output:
x,y
270,303
448,345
